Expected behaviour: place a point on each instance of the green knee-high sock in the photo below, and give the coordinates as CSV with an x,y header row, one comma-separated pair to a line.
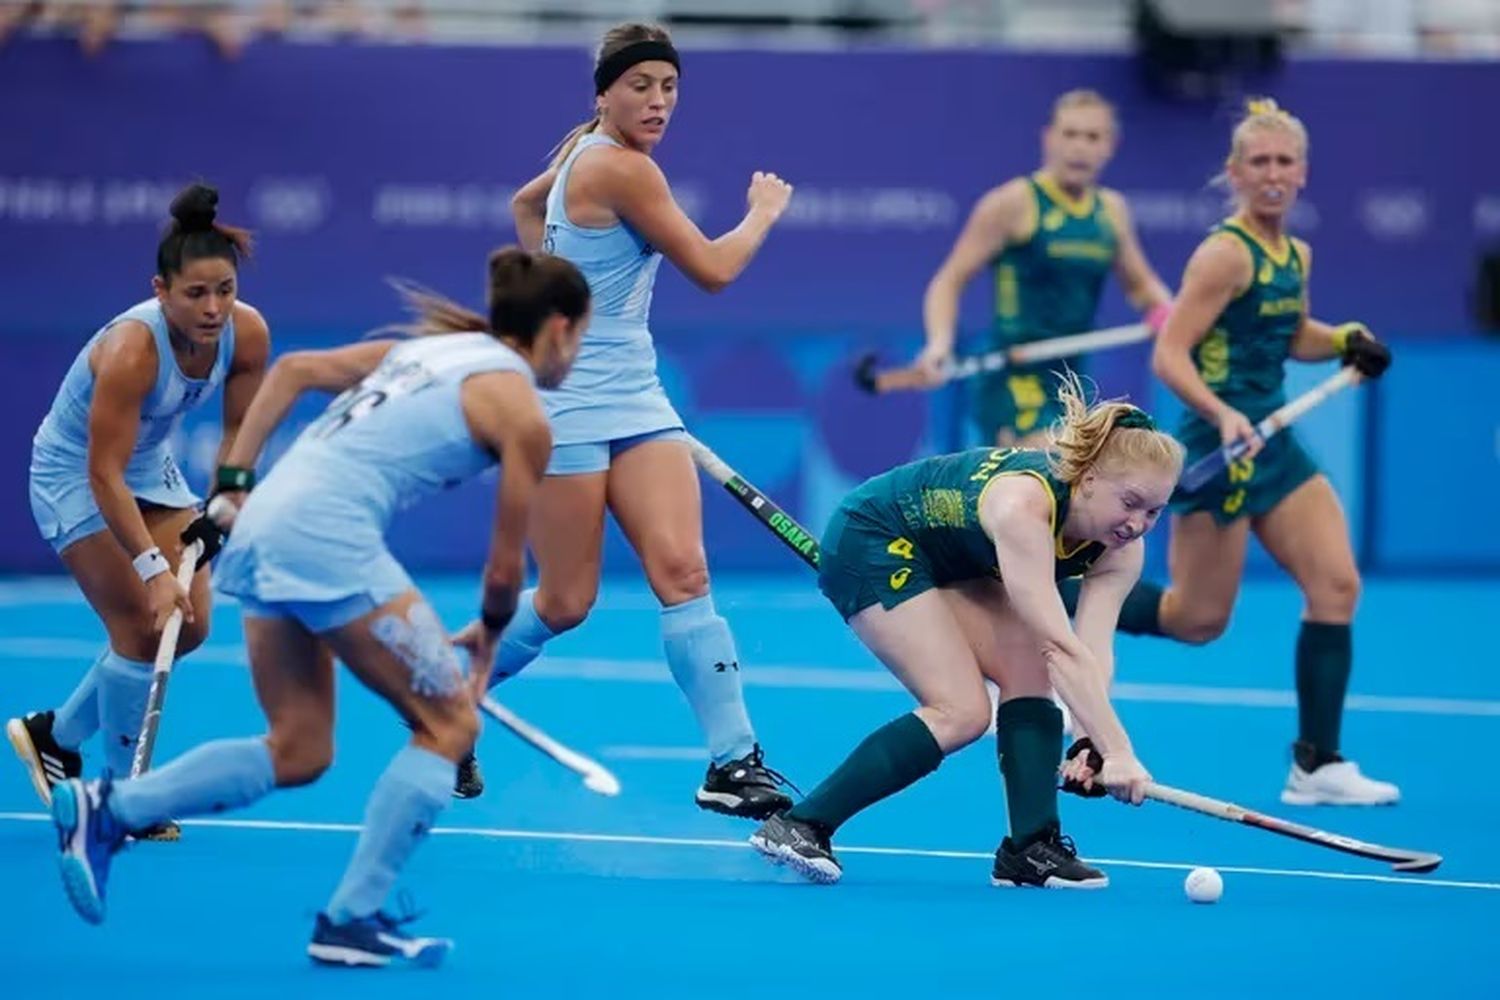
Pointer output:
x,y
889,759
1029,734
1141,612
1324,657
1139,615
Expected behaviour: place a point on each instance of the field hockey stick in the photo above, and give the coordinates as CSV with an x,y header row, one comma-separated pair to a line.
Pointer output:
x,y
802,542
161,669
785,527
595,777
1200,472
1401,860
909,377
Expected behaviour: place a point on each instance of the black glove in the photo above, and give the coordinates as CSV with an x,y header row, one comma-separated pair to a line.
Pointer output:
x,y
1095,762
204,530
1368,356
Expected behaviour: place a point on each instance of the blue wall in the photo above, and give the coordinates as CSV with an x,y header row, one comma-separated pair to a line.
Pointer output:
x,y
358,162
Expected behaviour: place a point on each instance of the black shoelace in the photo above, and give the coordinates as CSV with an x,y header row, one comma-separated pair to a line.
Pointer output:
x,y
1063,844
755,761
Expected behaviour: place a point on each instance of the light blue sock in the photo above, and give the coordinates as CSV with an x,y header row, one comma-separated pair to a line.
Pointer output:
x,y
78,719
406,800
522,640
700,653
124,686
217,776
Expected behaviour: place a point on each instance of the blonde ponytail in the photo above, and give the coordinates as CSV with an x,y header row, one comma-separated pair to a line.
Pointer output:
x,y
1106,433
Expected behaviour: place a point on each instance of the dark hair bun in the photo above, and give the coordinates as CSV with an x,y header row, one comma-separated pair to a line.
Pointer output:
x,y
508,265
195,207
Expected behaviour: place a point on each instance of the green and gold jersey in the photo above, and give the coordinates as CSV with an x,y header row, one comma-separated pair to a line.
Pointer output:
x,y
1049,285
931,508
1243,357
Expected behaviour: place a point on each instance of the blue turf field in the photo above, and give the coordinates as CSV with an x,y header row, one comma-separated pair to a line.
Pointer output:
x,y
552,891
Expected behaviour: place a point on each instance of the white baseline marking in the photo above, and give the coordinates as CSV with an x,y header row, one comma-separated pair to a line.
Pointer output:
x,y
493,833
84,651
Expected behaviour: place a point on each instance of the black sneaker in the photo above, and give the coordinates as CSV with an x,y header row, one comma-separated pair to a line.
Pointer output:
x,y
376,940
745,788
1048,862
804,847
468,783
47,764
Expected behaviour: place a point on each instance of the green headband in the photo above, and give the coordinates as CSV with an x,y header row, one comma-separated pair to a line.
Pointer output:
x,y
1136,419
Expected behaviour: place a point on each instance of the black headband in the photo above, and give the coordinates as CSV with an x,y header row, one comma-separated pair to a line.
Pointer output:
x,y
611,68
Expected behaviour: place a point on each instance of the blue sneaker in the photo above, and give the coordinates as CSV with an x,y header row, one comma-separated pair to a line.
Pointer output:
x,y
88,836
373,941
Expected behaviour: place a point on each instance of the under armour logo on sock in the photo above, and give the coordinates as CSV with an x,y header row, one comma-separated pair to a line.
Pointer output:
x,y
722,667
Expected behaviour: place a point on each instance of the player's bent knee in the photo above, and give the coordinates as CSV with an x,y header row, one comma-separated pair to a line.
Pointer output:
x,y
678,577
299,757
1200,629
1334,596
957,725
452,732
567,609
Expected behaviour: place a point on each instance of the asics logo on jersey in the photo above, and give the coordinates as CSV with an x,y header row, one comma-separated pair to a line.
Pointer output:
x,y
898,578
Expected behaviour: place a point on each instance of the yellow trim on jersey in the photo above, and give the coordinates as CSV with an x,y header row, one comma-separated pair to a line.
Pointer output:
x,y
1051,518
1007,292
1064,554
1279,259
1079,208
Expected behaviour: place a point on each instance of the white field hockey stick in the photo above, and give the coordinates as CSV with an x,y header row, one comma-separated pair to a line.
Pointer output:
x,y
1401,860
161,669
908,377
1200,472
595,777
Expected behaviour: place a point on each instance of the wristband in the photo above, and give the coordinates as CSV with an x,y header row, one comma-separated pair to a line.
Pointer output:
x,y
1342,334
492,621
1156,316
150,564
233,479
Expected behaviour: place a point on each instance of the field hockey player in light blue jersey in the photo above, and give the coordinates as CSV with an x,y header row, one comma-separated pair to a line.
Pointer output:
x,y
309,564
605,205
108,496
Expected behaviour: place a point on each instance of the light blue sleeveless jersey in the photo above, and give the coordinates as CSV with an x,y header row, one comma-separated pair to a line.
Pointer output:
x,y
613,391
61,498
314,529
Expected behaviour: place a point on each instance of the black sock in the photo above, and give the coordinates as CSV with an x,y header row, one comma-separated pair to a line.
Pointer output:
x,y
1141,612
1325,656
889,759
1029,737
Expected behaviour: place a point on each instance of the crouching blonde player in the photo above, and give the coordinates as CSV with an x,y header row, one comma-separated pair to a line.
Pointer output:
x,y
947,570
